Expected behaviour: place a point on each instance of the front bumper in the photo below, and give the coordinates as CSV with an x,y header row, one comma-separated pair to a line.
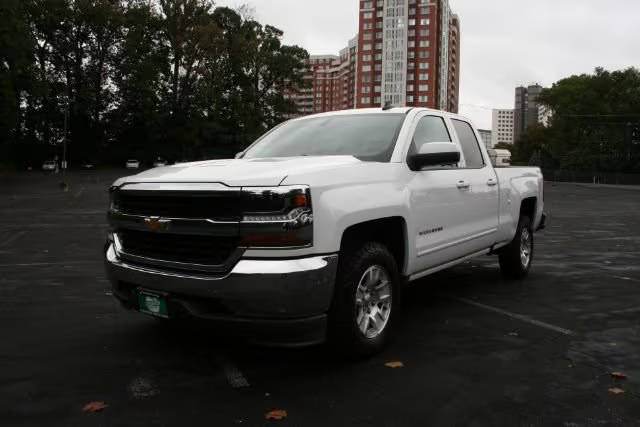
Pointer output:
x,y
280,302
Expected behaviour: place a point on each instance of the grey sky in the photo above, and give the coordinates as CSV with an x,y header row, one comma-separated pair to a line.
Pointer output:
x,y
504,42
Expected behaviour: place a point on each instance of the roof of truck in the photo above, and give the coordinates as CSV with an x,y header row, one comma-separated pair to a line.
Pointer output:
x,y
394,110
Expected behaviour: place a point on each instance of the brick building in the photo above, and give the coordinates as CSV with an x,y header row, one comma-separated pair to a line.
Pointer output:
x,y
407,52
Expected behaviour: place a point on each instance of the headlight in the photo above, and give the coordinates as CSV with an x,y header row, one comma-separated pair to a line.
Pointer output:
x,y
276,217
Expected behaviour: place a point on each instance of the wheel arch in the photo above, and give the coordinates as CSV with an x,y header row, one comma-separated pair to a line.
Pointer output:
x,y
389,231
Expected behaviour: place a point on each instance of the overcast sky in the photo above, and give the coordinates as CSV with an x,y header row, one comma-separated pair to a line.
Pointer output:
x,y
505,43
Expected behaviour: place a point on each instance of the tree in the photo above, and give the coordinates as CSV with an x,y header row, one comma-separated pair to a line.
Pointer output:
x,y
139,78
16,48
592,115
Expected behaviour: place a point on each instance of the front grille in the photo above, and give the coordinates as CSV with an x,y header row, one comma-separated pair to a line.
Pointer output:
x,y
223,205
188,249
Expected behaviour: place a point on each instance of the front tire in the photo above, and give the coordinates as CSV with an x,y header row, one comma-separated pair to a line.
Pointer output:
x,y
366,300
516,257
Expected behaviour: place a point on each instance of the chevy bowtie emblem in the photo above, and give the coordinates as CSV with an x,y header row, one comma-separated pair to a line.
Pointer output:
x,y
156,224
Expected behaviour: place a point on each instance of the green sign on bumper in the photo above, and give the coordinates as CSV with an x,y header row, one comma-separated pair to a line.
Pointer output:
x,y
153,304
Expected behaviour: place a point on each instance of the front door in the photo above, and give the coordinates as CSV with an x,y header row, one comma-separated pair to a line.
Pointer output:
x,y
438,204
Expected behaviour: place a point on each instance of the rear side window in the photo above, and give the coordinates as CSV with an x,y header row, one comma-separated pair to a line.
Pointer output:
x,y
469,143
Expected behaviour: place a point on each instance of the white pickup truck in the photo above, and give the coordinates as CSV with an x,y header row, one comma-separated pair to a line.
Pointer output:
x,y
312,232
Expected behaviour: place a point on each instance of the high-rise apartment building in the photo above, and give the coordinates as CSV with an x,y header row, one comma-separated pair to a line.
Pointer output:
x,y
329,82
407,53
502,127
526,109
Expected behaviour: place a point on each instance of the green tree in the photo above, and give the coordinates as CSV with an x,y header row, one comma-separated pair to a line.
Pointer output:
x,y
592,118
16,47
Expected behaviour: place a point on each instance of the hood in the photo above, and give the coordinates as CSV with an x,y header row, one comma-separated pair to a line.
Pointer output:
x,y
241,172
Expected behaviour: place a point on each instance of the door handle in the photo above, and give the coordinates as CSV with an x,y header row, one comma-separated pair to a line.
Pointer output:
x,y
463,185
492,182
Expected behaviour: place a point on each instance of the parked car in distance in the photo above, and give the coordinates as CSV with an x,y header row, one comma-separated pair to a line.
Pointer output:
x,y
500,158
49,166
314,230
87,165
132,164
159,163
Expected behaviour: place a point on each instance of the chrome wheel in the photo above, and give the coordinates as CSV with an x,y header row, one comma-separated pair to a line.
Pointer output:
x,y
526,247
373,301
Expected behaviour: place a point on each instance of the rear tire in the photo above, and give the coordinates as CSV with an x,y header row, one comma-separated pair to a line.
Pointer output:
x,y
366,300
517,256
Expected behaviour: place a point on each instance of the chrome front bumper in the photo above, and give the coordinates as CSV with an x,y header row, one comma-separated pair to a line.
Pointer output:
x,y
254,289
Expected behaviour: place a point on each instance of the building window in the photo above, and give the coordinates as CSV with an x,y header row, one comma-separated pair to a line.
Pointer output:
x,y
368,15
365,100
366,68
424,65
366,58
366,46
424,76
368,5
424,98
424,21
424,43
366,89
409,98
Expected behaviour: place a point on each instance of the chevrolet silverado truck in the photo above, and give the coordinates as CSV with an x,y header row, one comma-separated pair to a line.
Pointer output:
x,y
312,232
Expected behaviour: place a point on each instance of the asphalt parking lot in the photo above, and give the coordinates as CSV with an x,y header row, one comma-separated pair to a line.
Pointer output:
x,y
476,350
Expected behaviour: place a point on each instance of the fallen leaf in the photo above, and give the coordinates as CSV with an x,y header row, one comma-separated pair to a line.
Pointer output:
x,y
276,414
394,365
619,375
616,390
94,407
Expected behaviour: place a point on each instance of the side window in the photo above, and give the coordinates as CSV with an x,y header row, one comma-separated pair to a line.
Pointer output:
x,y
469,143
429,129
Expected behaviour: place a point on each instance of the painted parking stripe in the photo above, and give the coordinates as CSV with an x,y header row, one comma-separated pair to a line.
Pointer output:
x,y
11,239
516,316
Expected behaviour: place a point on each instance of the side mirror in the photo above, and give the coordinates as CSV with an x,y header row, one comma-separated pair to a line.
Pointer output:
x,y
238,155
434,154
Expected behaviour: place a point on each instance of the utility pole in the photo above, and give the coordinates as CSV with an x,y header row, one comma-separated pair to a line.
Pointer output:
x,y
63,185
629,138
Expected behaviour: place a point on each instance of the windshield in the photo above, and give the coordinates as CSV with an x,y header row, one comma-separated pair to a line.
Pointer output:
x,y
368,137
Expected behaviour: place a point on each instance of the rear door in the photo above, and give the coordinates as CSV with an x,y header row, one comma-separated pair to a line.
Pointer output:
x,y
479,187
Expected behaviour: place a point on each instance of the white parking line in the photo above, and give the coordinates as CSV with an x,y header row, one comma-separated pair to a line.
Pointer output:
x,y
79,193
520,317
11,239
